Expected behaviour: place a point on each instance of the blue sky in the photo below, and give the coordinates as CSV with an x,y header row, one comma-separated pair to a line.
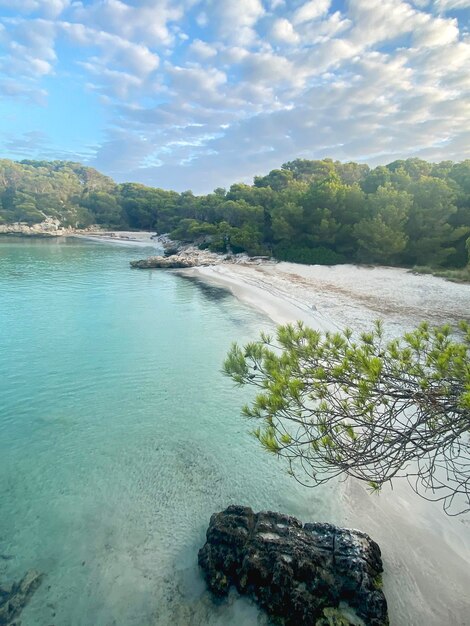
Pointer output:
x,y
196,94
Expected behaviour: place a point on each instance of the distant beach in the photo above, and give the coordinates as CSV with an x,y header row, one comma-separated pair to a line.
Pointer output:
x,y
118,236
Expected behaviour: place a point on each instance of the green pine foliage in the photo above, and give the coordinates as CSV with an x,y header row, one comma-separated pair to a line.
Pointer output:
x,y
334,404
408,213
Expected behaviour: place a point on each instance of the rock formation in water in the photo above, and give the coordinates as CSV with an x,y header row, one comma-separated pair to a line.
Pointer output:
x,y
48,228
187,256
315,574
183,256
170,262
15,597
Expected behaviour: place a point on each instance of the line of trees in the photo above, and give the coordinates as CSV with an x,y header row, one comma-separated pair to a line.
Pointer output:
x,y
410,212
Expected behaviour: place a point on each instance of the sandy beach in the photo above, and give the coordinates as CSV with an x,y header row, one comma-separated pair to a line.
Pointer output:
x,y
334,297
136,238
426,553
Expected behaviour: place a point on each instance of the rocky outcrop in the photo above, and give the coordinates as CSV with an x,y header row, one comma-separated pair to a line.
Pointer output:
x,y
170,262
15,597
304,574
171,251
187,257
50,227
183,256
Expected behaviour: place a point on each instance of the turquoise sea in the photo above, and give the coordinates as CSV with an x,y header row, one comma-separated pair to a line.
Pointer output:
x,y
119,436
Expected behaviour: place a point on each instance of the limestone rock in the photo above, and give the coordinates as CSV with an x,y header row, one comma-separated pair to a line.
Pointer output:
x,y
305,574
187,257
170,262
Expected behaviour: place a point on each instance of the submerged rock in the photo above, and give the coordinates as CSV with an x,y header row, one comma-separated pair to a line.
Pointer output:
x,y
315,574
14,598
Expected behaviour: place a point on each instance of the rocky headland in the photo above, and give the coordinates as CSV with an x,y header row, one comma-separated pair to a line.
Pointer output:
x,y
180,256
302,574
50,227
188,257
53,228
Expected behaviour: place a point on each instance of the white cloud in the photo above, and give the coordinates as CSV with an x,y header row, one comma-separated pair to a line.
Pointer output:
x,y
275,4
29,143
383,20
322,30
204,84
148,24
311,10
44,8
122,152
234,20
268,68
201,19
203,92
448,5
436,32
135,57
202,49
282,30
29,49
331,54
120,85
10,88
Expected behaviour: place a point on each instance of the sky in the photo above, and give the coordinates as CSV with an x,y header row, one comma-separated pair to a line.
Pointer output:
x,y
198,94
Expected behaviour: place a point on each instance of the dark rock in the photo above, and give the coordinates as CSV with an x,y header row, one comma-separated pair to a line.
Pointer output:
x,y
14,598
171,250
315,574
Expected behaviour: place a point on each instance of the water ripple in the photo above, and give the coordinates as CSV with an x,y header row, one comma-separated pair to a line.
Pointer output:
x,y
119,437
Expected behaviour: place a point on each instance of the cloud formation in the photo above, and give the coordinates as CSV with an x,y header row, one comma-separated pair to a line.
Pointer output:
x,y
200,93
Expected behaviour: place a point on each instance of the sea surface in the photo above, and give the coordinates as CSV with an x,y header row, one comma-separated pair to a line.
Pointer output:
x,y
119,437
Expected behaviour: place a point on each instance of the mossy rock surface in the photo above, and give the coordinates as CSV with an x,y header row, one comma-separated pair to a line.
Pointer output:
x,y
301,574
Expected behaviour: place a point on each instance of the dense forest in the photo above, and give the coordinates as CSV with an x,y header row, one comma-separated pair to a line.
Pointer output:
x,y
409,212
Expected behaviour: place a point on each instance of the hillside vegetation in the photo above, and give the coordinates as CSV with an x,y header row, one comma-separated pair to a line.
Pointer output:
x,y
409,212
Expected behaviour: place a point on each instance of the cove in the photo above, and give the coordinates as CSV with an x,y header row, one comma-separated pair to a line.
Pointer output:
x,y
119,436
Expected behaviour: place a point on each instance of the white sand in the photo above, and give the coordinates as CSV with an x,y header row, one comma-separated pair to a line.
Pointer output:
x,y
426,553
335,297
123,237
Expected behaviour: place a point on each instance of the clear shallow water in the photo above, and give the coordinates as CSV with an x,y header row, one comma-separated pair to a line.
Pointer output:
x,y
119,437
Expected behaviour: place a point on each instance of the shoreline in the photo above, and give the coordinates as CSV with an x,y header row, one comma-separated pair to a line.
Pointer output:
x,y
419,542
269,300
333,297
52,230
426,554
125,237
